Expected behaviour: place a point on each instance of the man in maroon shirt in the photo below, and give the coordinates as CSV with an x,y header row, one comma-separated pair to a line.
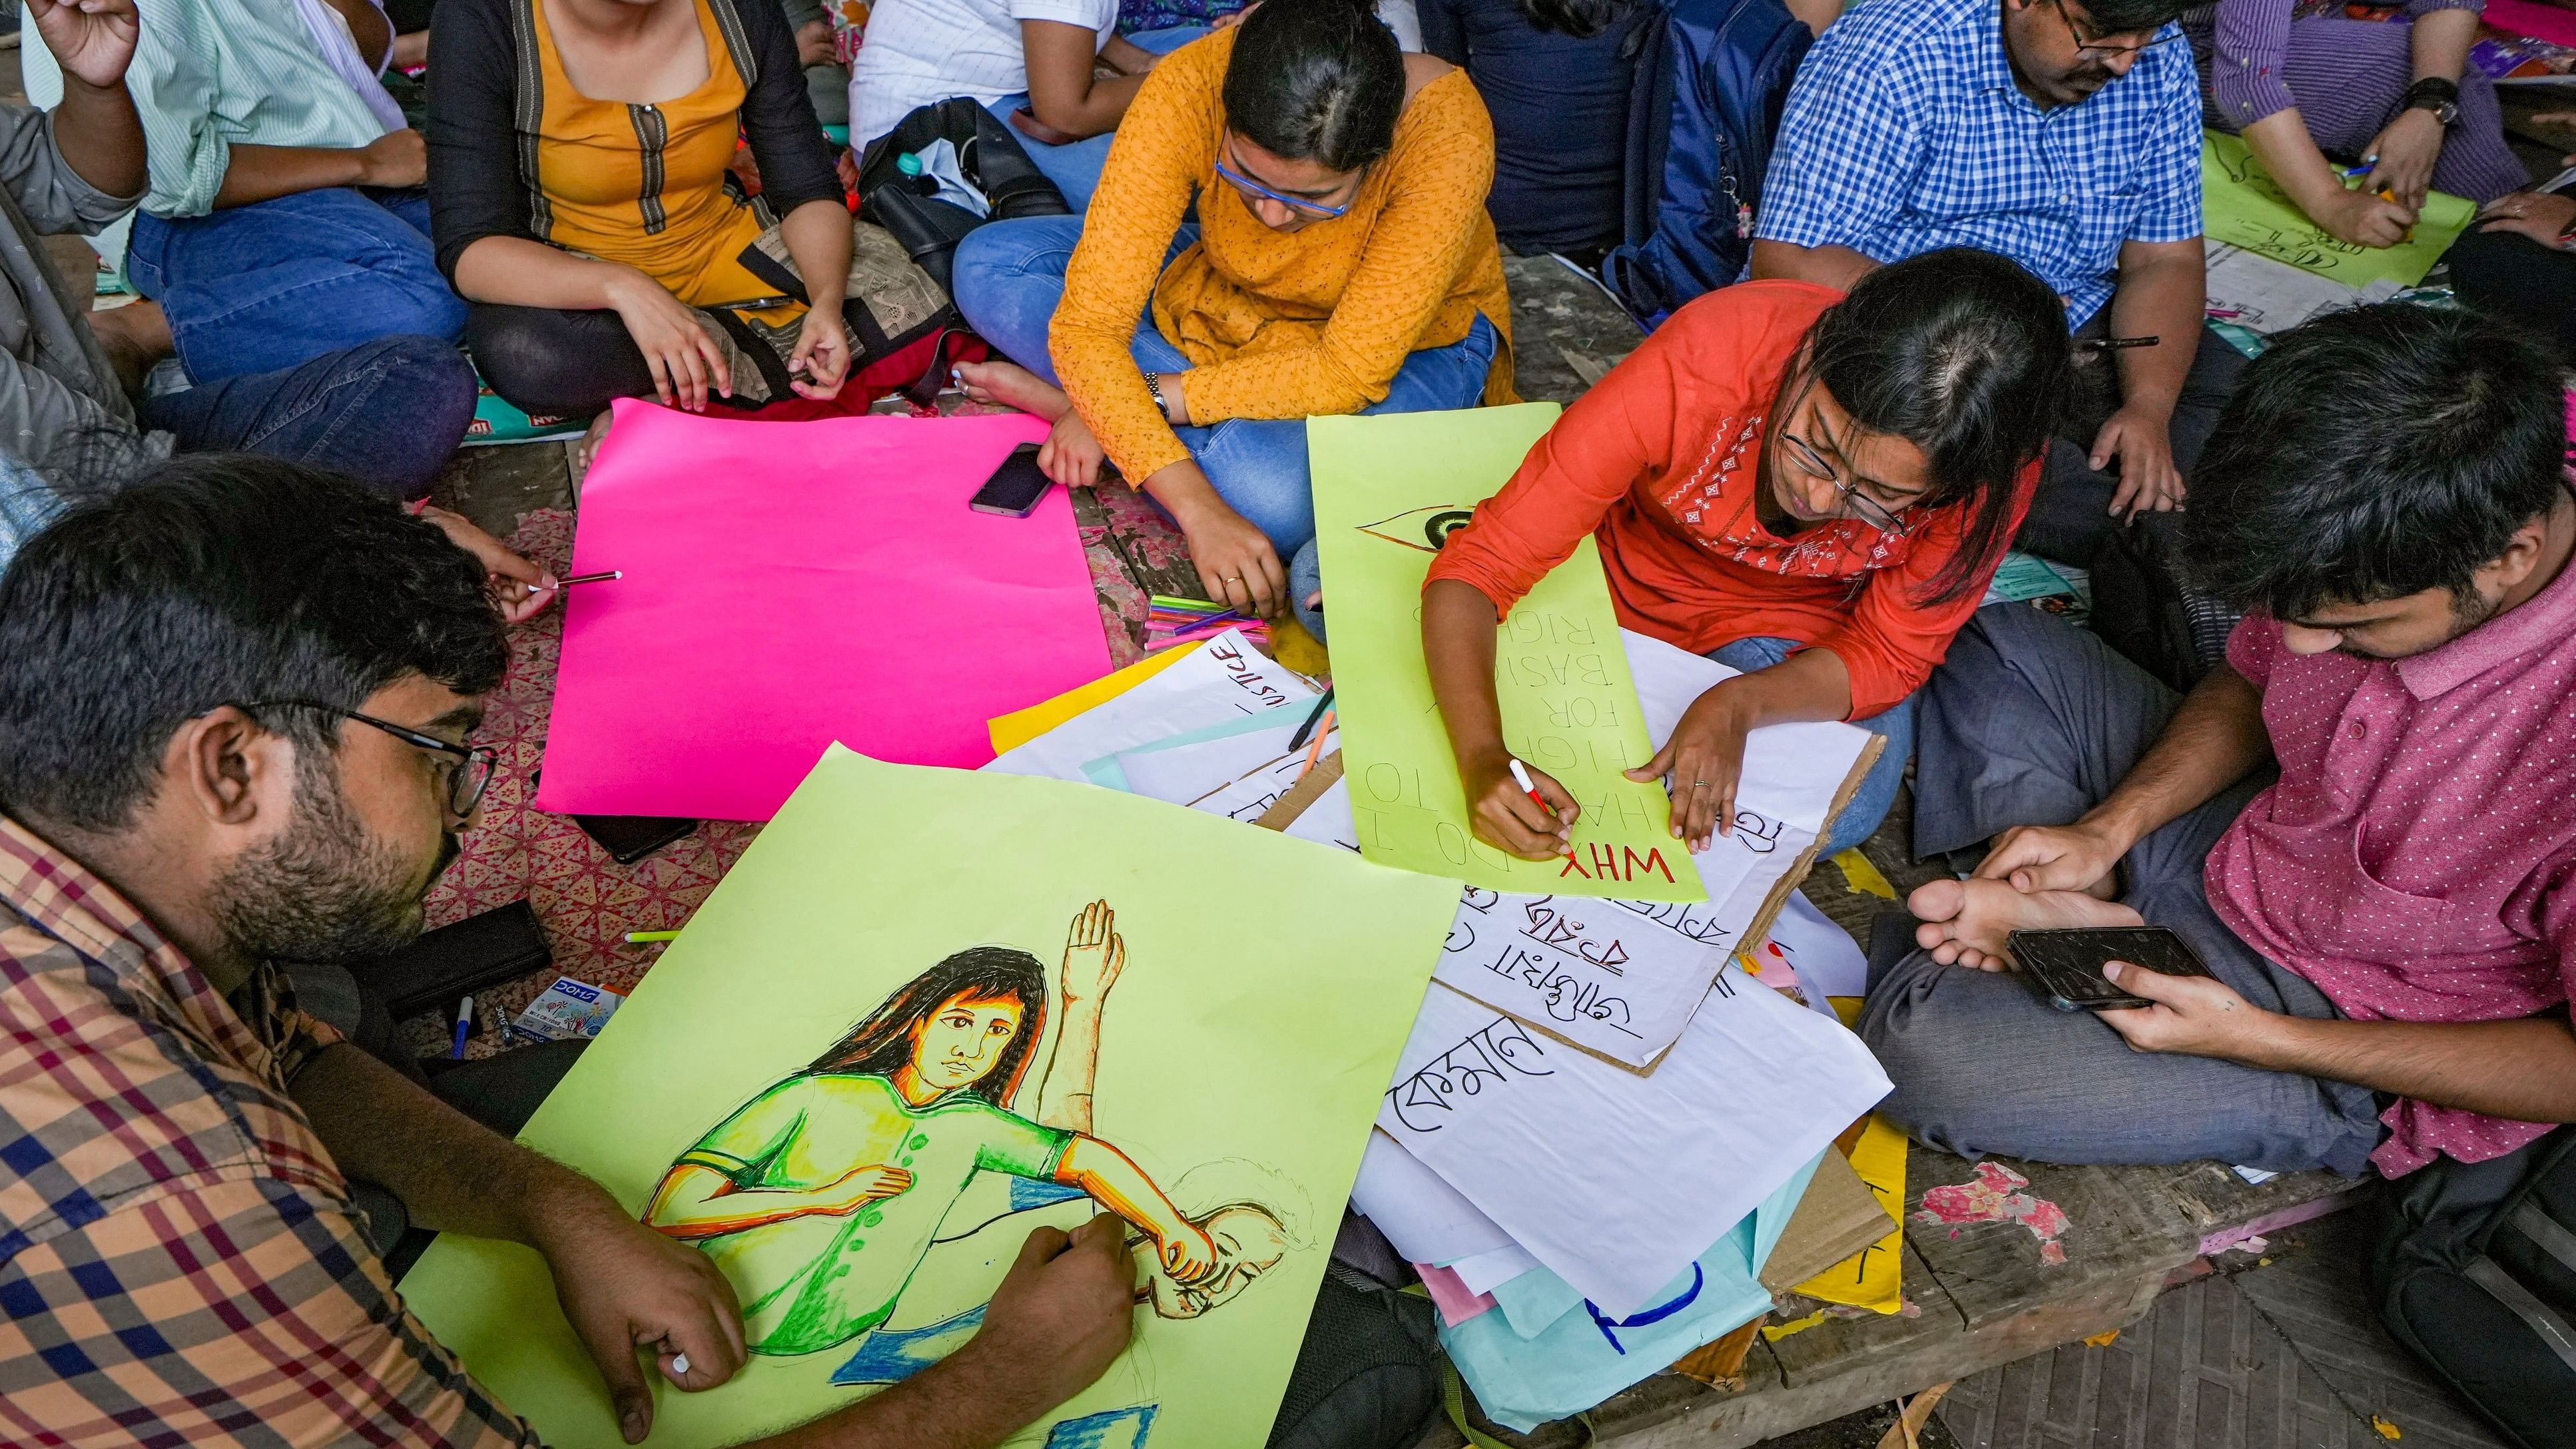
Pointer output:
x,y
2364,821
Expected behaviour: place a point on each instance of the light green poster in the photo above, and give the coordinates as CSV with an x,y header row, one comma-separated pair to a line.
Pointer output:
x,y
1388,492
2243,206
907,987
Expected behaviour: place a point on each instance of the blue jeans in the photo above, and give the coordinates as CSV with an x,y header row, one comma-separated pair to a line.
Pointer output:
x,y
279,283
1075,166
388,413
1877,792
1008,278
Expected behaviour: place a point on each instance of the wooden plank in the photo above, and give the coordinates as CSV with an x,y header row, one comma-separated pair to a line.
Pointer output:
x,y
2116,1228
1735,1421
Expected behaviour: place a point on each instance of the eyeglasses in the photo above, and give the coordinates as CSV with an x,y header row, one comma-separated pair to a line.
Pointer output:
x,y
469,768
1813,463
2086,49
1299,204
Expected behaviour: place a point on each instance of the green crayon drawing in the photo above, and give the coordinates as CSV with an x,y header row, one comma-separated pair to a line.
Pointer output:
x,y
821,1196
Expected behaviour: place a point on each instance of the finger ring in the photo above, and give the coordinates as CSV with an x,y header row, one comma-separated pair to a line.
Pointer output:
x,y
1699,784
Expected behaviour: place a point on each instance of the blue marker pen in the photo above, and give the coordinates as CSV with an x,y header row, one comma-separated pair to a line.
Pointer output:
x,y
464,1027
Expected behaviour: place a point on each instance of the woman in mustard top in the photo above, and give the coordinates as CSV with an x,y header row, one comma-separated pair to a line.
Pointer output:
x,y
580,200
1341,262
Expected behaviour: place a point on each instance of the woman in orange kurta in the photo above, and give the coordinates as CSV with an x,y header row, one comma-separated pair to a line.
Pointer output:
x,y
1341,262
1811,488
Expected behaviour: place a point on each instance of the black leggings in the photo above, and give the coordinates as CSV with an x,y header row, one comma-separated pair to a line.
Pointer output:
x,y
2511,276
556,364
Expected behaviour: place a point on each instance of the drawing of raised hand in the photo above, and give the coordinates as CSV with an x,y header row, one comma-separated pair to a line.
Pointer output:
x,y
1188,1254
1094,953
863,1185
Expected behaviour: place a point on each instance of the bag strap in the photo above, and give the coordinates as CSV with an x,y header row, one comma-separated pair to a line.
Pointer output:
x,y
2545,1233
2535,1315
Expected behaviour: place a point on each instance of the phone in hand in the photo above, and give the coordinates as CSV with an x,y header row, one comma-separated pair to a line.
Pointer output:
x,y
2066,966
1015,487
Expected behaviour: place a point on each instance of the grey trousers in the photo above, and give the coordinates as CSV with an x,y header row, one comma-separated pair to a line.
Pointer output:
x,y
2030,721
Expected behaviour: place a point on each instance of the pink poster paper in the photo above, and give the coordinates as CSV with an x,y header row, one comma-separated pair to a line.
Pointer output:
x,y
2528,17
786,585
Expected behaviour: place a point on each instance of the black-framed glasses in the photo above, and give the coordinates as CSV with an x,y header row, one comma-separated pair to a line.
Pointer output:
x,y
1868,510
469,768
2085,49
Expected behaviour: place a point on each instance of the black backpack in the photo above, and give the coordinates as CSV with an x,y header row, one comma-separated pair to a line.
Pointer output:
x,y
987,152
2476,1273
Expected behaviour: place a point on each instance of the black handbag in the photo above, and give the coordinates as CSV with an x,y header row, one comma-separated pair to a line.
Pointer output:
x,y
989,155
2476,1274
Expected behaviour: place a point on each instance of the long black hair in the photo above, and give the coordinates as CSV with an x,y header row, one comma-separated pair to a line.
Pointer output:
x,y
882,1043
1962,353
1316,80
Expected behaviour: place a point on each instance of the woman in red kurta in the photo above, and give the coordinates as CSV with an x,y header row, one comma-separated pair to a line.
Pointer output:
x,y
1809,487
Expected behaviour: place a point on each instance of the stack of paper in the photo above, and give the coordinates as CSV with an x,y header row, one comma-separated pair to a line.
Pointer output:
x,y
1602,1118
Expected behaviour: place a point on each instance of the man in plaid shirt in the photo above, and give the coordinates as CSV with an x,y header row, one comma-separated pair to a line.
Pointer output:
x,y
2064,134
234,706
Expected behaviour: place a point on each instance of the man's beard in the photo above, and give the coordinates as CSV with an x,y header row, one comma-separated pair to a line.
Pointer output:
x,y
323,889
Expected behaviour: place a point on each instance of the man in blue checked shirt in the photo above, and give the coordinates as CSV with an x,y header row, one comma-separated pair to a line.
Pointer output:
x,y
2064,134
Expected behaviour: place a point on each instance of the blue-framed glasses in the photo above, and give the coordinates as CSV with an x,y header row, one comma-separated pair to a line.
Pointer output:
x,y
1299,204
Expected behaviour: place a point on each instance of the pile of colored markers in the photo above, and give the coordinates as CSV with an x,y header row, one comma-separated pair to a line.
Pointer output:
x,y
1175,620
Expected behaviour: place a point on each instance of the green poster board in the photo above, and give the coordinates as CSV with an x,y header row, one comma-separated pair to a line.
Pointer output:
x,y
1263,988
1387,491
2243,206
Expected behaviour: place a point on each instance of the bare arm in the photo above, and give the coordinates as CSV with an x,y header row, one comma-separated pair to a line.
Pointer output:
x,y
2524,1070
817,235
2214,740
1060,1317
1458,624
1127,57
95,127
622,1287
1840,268
262,173
1065,93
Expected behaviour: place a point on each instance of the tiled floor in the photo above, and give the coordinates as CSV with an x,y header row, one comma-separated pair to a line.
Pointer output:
x,y
2282,1355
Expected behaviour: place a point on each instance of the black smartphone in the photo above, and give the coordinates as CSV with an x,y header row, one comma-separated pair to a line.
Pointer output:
x,y
630,838
1015,487
2066,966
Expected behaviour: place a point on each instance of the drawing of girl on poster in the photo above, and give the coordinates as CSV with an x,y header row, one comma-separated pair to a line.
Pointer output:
x,y
819,1198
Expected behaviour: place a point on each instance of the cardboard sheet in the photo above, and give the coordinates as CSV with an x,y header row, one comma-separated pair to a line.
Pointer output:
x,y
787,585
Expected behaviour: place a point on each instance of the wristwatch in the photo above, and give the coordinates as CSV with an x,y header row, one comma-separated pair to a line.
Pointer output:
x,y
2432,93
1154,388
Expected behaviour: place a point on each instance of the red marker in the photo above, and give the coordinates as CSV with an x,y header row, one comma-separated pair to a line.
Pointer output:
x,y
1520,777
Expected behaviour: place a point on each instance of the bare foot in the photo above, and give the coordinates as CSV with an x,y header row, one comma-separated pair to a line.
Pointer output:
x,y
135,336
1965,921
597,435
1013,386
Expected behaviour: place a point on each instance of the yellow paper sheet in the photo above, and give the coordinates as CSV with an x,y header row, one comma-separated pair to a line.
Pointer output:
x,y
1017,728
1874,1277
1388,492
890,979
2241,204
